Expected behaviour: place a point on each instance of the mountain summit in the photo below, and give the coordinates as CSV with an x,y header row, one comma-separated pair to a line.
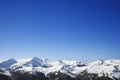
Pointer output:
x,y
8,63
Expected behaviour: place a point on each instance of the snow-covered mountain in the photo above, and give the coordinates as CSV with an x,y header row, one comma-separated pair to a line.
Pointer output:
x,y
108,68
8,63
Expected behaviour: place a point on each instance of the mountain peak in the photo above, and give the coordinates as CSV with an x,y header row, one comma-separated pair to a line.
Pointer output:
x,y
35,62
8,63
36,58
12,60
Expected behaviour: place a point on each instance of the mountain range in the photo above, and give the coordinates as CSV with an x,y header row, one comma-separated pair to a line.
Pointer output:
x,y
74,70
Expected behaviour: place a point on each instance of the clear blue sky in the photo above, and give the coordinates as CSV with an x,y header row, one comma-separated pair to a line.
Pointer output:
x,y
60,29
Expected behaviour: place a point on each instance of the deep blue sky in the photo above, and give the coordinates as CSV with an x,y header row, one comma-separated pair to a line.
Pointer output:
x,y
60,29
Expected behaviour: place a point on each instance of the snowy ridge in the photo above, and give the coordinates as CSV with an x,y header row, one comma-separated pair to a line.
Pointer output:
x,y
109,68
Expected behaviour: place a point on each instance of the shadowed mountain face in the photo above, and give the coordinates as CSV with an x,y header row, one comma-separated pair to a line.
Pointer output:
x,y
35,62
45,69
8,63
